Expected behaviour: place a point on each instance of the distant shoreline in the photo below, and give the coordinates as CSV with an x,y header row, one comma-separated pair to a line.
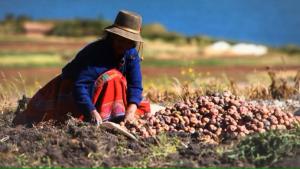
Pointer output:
x,y
272,23
150,31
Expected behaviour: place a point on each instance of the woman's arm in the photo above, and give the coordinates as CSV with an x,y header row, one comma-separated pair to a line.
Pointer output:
x,y
130,112
83,89
134,84
134,78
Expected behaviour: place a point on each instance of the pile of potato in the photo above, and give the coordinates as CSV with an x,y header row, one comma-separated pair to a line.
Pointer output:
x,y
213,118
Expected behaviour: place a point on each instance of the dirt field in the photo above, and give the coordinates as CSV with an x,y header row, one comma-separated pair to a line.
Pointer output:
x,y
78,144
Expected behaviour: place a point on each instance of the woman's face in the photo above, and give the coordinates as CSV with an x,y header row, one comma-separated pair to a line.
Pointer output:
x,y
120,44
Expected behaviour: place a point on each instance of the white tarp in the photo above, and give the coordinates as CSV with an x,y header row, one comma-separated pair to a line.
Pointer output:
x,y
223,48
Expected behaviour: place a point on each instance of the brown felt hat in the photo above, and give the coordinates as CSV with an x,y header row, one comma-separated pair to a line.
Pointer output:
x,y
128,25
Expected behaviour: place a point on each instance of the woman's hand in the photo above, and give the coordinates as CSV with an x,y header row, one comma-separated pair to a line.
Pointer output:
x,y
96,118
130,113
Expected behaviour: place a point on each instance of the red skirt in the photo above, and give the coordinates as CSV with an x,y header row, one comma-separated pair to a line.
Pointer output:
x,y
55,100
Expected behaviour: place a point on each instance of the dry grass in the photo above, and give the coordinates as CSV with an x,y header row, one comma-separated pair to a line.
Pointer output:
x,y
280,85
162,50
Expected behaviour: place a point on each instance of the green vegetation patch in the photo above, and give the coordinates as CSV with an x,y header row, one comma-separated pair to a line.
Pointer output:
x,y
290,49
79,27
264,149
30,60
236,61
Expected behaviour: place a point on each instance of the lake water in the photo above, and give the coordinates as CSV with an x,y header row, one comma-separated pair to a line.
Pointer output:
x,y
271,22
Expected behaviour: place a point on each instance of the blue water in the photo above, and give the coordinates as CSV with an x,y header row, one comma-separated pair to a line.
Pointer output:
x,y
271,22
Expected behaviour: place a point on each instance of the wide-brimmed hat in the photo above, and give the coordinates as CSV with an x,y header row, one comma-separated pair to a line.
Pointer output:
x,y
128,25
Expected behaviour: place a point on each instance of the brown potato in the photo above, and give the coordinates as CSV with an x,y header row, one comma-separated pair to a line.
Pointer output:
x,y
171,128
175,120
260,125
213,120
265,116
285,117
233,122
290,115
152,132
192,130
186,120
216,100
273,127
219,131
241,128
227,99
212,128
236,116
207,132
255,121
254,127
231,111
287,123
132,130
205,120
145,134
258,116
234,103
192,115
265,111
203,110
166,127
167,119
274,120
281,127
193,120
214,112
186,129
231,128
281,121
241,134
246,131
261,130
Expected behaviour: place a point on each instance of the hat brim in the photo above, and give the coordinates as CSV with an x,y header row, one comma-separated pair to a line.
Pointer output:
x,y
125,34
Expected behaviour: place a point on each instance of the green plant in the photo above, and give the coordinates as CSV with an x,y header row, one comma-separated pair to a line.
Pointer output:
x,y
290,49
79,27
13,24
164,146
22,160
264,149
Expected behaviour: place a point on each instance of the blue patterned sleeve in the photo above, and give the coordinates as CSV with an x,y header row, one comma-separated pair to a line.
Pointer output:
x,y
83,88
134,77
